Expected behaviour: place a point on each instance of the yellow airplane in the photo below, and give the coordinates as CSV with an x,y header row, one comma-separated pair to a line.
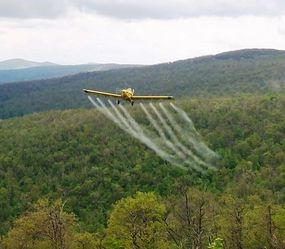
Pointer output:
x,y
128,95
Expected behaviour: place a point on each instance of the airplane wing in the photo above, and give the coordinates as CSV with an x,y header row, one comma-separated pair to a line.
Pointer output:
x,y
103,93
152,97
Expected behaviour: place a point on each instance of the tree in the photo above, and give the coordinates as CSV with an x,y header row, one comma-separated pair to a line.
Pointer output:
x,y
265,227
231,222
47,225
137,222
190,221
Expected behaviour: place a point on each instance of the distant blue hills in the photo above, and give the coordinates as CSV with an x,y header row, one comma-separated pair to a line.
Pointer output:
x,y
15,70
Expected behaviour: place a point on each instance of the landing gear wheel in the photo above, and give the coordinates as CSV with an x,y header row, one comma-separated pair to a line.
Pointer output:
x,y
132,103
118,102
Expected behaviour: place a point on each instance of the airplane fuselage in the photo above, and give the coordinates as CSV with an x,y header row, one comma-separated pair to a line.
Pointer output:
x,y
127,94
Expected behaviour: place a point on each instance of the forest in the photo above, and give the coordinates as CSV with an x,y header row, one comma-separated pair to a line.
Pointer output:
x,y
254,71
72,179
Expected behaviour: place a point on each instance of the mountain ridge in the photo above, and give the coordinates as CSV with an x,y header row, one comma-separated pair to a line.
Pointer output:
x,y
18,63
256,71
18,70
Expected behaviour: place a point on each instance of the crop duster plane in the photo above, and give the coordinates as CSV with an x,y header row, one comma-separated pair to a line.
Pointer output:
x,y
128,95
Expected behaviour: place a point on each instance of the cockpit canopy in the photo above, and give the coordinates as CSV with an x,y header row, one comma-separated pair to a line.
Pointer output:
x,y
130,90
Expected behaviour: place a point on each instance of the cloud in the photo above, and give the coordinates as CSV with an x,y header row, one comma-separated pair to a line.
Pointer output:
x,y
90,38
171,9
33,8
138,9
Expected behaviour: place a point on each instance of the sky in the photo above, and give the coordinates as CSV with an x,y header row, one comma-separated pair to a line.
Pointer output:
x,y
136,31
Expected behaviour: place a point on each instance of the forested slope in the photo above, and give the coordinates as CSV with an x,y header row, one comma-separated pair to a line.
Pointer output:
x,y
86,160
232,73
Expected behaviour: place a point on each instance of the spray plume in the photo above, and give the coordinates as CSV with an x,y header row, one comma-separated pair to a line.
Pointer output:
x,y
150,142
169,144
199,146
193,159
124,125
159,143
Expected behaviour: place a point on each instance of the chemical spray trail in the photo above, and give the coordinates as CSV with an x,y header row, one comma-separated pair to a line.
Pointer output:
x,y
124,125
164,136
139,135
135,125
192,159
199,148
107,113
199,145
180,155
123,120
185,116
168,143
151,143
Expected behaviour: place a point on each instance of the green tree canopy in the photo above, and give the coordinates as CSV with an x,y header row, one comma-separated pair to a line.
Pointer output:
x,y
137,222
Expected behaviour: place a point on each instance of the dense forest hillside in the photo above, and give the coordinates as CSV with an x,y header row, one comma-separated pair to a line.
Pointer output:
x,y
53,71
88,162
244,71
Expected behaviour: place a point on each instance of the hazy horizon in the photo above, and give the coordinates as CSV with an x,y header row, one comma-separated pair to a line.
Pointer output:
x,y
134,32
95,62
